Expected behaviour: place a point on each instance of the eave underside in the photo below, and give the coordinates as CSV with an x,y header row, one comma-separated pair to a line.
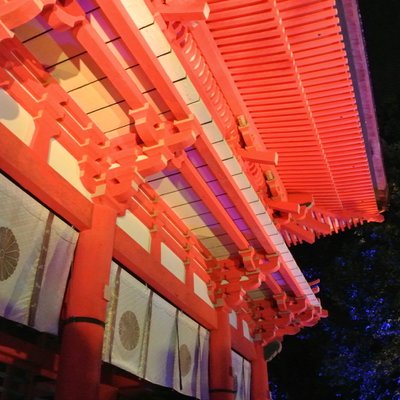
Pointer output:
x,y
290,65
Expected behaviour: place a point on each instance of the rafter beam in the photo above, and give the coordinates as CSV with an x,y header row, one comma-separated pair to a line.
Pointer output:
x,y
190,173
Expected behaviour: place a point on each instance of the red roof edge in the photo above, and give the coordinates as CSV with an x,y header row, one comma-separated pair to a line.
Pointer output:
x,y
352,31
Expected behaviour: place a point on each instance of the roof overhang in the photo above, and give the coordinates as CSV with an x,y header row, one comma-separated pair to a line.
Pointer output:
x,y
350,21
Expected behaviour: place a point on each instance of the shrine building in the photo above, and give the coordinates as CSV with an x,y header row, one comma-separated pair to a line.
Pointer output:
x,y
159,159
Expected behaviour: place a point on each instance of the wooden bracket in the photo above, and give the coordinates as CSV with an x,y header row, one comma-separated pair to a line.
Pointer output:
x,y
183,10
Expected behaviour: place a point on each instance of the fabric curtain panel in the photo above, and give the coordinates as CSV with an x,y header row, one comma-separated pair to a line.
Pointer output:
x,y
125,344
202,378
152,339
36,252
162,342
191,358
242,376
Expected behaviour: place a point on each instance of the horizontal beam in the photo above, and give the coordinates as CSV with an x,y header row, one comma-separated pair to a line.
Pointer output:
x,y
242,345
24,166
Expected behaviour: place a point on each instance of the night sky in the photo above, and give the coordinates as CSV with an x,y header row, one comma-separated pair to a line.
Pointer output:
x,y
381,21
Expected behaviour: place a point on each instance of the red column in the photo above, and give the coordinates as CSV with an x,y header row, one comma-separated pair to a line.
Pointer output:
x,y
259,376
82,337
220,367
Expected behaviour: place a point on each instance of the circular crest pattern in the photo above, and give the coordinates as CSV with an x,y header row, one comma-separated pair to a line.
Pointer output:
x,y
129,330
9,253
185,359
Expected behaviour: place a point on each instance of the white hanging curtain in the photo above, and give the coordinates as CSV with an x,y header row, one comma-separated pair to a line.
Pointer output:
x,y
36,251
150,338
246,379
202,380
129,313
187,355
162,342
60,252
191,358
242,376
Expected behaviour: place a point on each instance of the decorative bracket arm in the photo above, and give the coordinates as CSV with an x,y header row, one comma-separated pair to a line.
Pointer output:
x,y
64,18
260,157
183,10
17,12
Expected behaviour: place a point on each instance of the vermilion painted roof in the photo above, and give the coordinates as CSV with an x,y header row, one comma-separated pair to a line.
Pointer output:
x,y
289,63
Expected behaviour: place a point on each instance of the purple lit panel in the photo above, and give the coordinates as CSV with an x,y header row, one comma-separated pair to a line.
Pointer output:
x,y
225,201
248,234
233,213
216,188
278,277
179,181
241,224
88,5
195,157
206,173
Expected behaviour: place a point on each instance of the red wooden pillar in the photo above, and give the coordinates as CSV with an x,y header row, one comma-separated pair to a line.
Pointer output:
x,y
259,376
220,368
82,337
